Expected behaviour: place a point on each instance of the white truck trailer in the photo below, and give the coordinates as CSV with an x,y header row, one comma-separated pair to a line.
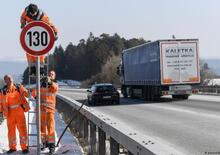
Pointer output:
x,y
163,67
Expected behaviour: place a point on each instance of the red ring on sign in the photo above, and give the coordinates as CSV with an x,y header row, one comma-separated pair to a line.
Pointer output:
x,y
49,30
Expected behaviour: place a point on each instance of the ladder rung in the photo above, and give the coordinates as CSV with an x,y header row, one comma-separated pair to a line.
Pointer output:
x,y
32,134
33,146
32,123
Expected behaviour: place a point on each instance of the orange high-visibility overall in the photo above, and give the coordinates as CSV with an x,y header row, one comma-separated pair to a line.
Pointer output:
x,y
13,109
40,17
32,60
48,105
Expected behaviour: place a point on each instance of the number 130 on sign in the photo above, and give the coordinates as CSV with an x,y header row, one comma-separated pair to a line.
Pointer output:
x,y
37,38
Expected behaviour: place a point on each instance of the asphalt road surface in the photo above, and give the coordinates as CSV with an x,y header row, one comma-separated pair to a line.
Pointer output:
x,y
191,126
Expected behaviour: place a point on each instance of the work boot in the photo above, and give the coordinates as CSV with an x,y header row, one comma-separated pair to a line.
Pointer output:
x,y
43,146
10,151
25,151
51,148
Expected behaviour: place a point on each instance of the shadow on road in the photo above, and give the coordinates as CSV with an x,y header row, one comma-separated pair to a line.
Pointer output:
x,y
132,101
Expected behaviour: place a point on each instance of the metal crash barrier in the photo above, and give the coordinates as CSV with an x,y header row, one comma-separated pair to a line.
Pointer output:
x,y
208,89
99,133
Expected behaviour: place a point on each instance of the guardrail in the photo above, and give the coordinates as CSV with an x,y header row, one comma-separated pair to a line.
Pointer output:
x,y
94,129
208,89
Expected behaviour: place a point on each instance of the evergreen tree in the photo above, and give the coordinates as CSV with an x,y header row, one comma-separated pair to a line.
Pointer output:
x,y
82,61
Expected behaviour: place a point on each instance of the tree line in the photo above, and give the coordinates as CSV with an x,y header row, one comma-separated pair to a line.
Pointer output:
x,y
81,62
96,58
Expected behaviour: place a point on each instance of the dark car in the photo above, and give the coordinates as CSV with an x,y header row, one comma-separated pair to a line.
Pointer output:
x,y
103,93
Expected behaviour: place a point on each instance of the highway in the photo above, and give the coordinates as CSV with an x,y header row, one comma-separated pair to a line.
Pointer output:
x,y
190,126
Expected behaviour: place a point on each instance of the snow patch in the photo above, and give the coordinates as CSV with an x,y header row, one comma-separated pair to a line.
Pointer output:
x,y
68,145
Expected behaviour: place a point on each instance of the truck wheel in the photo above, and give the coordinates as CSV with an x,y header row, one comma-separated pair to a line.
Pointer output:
x,y
174,96
183,97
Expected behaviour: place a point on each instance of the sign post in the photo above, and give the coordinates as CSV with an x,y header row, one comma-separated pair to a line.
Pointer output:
x,y
37,38
38,107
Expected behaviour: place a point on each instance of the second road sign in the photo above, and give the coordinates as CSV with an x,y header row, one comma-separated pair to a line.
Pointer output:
x,y
37,38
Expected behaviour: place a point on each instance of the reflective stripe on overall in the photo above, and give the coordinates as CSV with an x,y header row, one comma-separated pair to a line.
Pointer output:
x,y
47,116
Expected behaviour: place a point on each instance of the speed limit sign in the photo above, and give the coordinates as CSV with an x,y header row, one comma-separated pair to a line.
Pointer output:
x,y
37,38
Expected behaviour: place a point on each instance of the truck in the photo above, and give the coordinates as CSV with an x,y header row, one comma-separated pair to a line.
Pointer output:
x,y
162,67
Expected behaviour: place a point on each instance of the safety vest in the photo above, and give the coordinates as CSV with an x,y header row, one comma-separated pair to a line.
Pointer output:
x,y
14,97
48,97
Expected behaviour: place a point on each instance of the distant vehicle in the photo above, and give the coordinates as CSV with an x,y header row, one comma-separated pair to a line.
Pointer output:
x,y
103,93
163,67
72,83
62,84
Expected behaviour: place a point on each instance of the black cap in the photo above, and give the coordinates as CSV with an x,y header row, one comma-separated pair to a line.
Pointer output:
x,y
32,8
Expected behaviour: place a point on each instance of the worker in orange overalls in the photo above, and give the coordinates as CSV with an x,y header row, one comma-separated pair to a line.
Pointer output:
x,y
13,109
48,93
32,13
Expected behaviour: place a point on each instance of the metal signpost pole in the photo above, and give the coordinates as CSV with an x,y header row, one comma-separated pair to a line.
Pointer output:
x,y
38,106
37,39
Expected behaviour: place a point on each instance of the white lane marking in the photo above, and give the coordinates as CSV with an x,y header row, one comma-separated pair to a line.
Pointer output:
x,y
192,112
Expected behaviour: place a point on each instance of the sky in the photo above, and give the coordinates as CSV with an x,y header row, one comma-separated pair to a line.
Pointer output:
x,y
148,19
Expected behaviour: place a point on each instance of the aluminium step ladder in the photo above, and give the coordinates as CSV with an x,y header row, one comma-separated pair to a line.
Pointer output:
x,y
32,113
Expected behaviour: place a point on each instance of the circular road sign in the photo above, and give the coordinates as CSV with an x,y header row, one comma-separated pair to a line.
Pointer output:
x,y
37,38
